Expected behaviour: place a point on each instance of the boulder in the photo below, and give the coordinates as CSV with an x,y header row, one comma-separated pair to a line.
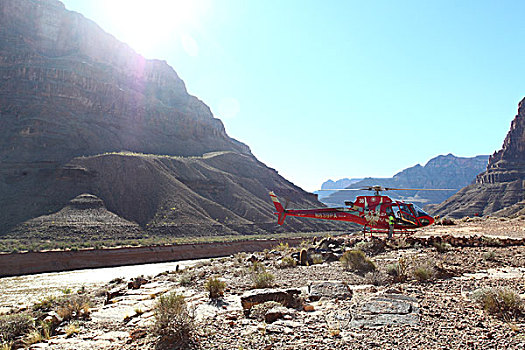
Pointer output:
x,y
276,313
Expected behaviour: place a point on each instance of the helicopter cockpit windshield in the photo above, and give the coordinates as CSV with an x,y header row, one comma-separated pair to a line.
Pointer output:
x,y
418,211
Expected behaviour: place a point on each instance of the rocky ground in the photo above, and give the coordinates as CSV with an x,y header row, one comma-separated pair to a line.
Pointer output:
x,y
421,296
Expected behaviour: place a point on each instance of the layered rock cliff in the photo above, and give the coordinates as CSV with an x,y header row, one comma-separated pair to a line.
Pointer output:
x,y
81,112
500,190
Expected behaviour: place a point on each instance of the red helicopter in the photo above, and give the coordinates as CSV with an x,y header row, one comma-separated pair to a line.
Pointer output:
x,y
370,211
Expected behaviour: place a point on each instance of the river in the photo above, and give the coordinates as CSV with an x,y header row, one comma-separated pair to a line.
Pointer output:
x,y
25,290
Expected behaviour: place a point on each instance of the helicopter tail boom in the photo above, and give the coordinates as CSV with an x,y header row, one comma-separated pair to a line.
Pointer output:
x,y
279,207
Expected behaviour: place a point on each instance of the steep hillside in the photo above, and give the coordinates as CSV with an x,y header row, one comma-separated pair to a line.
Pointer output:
x,y
82,113
446,171
500,190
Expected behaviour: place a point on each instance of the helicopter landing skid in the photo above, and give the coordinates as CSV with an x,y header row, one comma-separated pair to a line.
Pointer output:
x,y
385,231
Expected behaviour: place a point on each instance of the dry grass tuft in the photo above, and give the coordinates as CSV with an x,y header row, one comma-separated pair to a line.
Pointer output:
x,y
215,287
174,324
356,260
502,302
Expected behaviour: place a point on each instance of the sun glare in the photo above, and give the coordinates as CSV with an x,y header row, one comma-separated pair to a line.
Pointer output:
x,y
145,25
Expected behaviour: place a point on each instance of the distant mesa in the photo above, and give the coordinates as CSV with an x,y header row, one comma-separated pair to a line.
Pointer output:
x,y
500,189
444,171
83,115
331,184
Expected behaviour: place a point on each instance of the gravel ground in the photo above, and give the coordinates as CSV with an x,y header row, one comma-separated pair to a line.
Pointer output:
x,y
443,313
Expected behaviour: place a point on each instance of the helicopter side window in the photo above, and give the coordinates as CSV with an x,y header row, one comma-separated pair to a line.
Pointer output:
x,y
405,214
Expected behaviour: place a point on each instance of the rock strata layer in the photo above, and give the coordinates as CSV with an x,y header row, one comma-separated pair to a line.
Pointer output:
x,y
500,190
81,112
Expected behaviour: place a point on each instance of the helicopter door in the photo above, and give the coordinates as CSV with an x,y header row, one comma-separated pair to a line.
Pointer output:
x,y
405,215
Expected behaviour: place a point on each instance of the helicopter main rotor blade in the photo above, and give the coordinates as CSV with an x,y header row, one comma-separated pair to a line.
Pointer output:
x,y
420,189
346,189
373,188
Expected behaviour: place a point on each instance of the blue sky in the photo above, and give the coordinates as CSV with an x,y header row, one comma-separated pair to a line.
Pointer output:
x,y
333,89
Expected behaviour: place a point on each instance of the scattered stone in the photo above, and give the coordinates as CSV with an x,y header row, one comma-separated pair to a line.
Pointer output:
x,y
115,292
252,259
138,333
277,312
308,308
137,282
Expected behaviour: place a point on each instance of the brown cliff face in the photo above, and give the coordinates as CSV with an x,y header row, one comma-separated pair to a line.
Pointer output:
x,y
500,190
68,89
71,93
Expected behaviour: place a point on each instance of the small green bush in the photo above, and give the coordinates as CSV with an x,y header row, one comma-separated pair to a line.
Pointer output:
x,y
174,324
286,262
442,247
257,267
215,287
262,280
502,302
283,247
398,270
489,256
185,279
356,260
73,306
423,273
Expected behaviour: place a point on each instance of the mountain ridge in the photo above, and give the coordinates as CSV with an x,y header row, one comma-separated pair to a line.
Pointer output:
x,y
82,113
443,171
500,189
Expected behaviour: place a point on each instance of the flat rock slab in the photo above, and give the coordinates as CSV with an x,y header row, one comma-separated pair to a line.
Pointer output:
x,y
384,309
329,289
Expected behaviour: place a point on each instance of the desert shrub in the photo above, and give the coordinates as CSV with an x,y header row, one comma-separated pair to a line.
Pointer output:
x,y
423,273
376,278
398,270
45,304
364,246
283,247
259,311
185,279
356,260
33,337
286,262
442,247
68,306
262,280
317,259
502,302
73,306
257,267
174,323
72,328
15,325
215,287
490,256
240,257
